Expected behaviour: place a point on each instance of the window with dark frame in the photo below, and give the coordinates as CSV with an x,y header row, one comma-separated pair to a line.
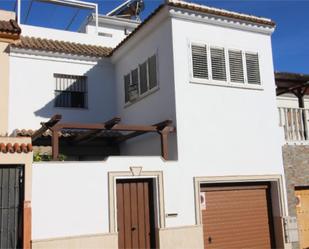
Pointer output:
x,y
70,91
141,80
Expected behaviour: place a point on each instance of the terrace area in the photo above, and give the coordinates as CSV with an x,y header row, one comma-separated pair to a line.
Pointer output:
x,y
57,141
294,117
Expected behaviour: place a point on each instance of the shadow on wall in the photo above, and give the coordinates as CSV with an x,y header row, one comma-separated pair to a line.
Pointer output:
x,y
82,98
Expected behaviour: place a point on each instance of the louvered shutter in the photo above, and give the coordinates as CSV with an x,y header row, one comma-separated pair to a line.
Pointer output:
x,y
127,80
199,62
143,78
236,66
253,68
152,71
133,88
218,64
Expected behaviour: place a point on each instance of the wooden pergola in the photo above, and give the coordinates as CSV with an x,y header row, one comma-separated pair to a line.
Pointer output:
x,y
92,129
297,84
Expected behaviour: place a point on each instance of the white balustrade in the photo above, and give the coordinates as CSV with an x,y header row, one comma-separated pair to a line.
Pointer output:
x,y
295,123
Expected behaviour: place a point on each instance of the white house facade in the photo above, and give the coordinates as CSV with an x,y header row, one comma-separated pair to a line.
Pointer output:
x,y
209,176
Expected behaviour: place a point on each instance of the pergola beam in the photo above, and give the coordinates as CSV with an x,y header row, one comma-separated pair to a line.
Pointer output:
x,y
163,128
293,88
159,126
45,126
98,126
91,134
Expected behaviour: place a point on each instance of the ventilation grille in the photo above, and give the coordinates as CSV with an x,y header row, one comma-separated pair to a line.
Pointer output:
x,y
199,61
253,68
236,66
218,64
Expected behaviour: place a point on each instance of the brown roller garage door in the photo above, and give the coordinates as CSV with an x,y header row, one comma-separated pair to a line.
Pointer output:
x,y
237,217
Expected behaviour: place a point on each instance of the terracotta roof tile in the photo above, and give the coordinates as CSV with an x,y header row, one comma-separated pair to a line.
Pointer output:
x,y
9,27
220,12
15,148
61,47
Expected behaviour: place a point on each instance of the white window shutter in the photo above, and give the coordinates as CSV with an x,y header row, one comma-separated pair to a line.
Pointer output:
x,y
236,66
199,62
218,64
253,68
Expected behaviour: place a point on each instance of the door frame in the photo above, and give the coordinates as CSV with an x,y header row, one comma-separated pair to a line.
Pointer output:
x,y
277,193
136,173
21,196
153,219
24,159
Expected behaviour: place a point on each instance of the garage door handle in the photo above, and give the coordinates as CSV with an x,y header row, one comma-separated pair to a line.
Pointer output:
x,y
133,228
209,240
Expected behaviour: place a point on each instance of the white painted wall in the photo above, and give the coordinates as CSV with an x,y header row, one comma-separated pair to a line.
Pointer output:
x,y
118,28
69,36
159,105
226,130
221,131
32,87
71,198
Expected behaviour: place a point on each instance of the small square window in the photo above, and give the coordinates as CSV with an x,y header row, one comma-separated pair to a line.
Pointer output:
x,y
71,91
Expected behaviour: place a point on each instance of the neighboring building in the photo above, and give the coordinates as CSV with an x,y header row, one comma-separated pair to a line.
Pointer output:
x,y
183,91
292,100
15,155
9,33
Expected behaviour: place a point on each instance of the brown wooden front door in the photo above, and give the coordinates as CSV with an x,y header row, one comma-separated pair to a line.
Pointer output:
x,y
135,214
237,217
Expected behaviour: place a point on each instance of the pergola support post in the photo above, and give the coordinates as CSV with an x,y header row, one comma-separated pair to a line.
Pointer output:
x,y
164,142
55,144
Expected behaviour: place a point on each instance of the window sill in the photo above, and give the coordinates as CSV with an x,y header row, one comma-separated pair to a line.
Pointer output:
x,y
227,84
139,98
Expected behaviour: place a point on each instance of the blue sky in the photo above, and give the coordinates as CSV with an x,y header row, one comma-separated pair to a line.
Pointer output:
x,y
290,40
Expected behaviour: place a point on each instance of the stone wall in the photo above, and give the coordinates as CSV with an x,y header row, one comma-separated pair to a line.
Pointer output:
x,y
296,167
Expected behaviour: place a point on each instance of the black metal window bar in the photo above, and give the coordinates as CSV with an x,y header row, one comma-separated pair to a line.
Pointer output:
x,y
71,91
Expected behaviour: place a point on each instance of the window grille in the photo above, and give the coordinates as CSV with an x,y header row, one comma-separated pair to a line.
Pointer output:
x,y
71,91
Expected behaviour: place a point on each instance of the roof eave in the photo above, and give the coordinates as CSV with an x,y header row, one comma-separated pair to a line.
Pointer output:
x,y
251,21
